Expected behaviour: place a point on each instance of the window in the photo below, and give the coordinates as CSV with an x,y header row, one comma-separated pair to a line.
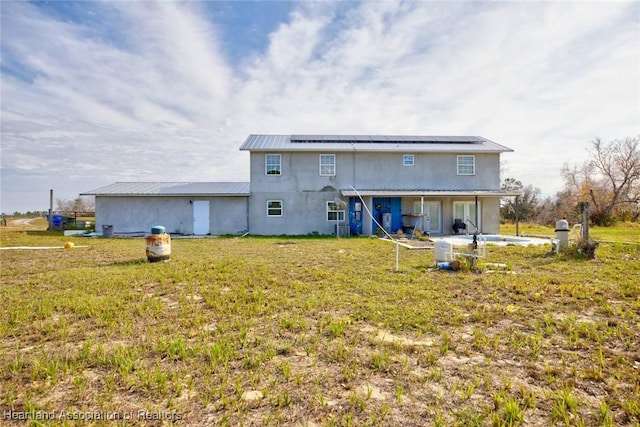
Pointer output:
x,y
334,213
273,164
274,207
466,165
407,160
327,164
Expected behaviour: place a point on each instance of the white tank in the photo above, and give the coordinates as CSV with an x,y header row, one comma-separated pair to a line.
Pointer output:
x,y
562,234
443,251
562,225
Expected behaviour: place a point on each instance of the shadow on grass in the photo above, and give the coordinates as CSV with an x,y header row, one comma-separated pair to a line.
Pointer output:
x,y
59,233
127,263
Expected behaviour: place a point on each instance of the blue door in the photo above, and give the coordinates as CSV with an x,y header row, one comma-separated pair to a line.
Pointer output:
x,y
355,216
388,212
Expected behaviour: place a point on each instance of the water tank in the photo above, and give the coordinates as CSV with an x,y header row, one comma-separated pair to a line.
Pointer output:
x,y
443,251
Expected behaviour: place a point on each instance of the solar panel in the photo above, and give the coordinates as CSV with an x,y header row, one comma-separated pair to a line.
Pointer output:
x,y
385,139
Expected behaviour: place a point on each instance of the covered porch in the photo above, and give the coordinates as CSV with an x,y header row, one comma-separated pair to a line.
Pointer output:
x,y
430,211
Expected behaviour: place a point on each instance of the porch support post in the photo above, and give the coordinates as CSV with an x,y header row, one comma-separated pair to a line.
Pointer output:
x,y
422,213
477,213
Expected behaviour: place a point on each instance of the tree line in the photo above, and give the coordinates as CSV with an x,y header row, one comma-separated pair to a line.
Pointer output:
x,y
79,206
609,180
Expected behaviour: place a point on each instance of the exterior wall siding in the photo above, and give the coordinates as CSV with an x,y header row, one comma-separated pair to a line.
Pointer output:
x,y
139,214
433,171
304,192
302,213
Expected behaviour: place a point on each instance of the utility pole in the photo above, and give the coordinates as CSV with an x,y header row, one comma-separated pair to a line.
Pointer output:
x,y
51,209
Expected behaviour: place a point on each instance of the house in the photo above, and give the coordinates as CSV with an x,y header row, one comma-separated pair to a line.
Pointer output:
x,y
301,184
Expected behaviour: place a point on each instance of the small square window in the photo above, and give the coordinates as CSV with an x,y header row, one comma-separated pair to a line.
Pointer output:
x,y
334,213
274,207
273,164
327,164
466,165
407,160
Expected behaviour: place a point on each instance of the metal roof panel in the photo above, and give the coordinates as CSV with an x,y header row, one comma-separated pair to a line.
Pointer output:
x,y
172,189
372,143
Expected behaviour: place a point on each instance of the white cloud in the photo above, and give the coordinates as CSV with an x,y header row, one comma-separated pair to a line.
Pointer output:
x,y
150,96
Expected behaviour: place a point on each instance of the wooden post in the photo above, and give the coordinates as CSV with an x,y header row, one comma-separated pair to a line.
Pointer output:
x,y
51,209
585,221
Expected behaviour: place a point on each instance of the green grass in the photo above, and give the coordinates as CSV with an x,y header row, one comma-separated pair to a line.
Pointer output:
x,y
319,331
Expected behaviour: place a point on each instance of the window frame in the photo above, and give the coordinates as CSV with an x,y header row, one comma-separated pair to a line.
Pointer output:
x,y
270,208
461,167
267,164
332,165
406,157
340,213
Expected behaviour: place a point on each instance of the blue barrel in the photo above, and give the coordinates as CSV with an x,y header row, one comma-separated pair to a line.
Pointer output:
x,y
57,221
443,265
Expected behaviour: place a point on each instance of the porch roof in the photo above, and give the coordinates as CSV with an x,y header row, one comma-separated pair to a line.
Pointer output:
x,y
428,193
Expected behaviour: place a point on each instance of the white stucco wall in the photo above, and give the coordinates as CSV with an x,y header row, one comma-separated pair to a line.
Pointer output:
x,y
433,171
304,192
227,215
302,213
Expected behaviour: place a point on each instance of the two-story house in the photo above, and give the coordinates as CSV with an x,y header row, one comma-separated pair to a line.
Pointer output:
x,y
301,184
308,183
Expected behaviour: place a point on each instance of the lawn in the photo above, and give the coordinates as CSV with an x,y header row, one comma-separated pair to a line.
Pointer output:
x,y
316,331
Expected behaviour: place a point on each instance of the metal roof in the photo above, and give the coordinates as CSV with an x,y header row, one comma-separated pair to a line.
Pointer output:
x,y
171,189
373,143
437,193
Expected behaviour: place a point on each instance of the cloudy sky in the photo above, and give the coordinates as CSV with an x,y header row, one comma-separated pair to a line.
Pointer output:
x,y
98,92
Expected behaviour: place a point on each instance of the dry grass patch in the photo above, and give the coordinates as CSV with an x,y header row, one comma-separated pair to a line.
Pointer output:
x,y
313,331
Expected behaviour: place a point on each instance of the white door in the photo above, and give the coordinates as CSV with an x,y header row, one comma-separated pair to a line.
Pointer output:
x,y
200,217
432,219
466,211
431,212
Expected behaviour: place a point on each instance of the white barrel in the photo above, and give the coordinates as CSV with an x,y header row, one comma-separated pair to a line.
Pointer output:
x,y
443,251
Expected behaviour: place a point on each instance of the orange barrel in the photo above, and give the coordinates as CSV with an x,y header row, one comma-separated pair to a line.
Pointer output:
x,y
158,244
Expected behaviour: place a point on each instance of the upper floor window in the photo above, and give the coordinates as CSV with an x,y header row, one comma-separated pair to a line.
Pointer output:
x,y
327,164
466,165
274,207
334,213
407,160
273,164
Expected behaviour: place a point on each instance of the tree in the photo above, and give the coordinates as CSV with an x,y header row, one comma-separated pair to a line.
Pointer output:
x,y
78,205
528,206
610,180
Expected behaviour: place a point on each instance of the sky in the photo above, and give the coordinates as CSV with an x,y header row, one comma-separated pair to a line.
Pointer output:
x,y
97,92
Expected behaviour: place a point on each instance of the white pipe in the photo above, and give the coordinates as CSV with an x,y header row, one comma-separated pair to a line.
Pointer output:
x,y
380,227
